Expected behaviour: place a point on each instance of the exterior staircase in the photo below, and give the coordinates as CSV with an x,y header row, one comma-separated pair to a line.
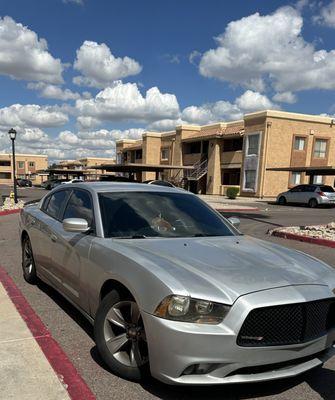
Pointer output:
x,y
199,170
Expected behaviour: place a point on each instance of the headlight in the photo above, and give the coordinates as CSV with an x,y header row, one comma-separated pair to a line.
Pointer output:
x,y
333,290
186,309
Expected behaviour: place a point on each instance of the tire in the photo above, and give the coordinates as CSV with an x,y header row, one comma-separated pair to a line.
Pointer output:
x,y
120,317
282,201
313,203
28,263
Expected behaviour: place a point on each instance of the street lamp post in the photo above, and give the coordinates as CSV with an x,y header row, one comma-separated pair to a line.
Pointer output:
x,y
12,136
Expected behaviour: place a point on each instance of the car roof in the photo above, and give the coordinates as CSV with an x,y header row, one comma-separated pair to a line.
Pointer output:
x,y
99,187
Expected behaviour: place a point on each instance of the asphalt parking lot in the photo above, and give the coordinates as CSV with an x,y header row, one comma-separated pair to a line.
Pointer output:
x,y
75,336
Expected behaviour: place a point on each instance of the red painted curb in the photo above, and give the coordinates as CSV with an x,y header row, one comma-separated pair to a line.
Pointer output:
x,y
69,376
293,236
7,212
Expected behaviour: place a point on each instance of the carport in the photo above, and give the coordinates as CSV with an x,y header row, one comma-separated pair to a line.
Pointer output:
x,y
58,172
309,171
132,168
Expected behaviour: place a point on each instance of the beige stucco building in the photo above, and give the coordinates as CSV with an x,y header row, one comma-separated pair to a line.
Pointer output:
x,y
27,166
84,167
239,153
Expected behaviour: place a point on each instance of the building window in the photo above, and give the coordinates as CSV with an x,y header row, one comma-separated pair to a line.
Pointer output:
x,y
20,164
253,144
230,176
318,179
138,154
4,163
31,164
295,178
250,179
320,148
193,148
5,175
299,143
165,154
232,144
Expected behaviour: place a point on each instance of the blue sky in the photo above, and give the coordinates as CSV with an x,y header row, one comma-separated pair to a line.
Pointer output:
x,y
199,61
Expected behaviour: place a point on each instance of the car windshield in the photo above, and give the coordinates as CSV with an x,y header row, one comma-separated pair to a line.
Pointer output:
x,y
326,189
159,214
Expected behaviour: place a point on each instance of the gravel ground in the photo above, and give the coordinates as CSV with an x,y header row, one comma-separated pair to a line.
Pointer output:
x,y
74,333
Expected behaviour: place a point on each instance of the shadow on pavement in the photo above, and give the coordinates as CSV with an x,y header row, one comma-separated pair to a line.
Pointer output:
x,y
66,306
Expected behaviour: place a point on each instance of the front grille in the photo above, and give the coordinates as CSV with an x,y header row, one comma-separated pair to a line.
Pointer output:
x,y
287,324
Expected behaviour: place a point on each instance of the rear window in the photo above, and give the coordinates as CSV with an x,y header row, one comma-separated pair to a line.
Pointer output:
x,y
326,189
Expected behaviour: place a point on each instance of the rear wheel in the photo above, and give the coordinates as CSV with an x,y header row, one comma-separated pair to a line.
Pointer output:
x,y
313,203
282,200
120,336
28,263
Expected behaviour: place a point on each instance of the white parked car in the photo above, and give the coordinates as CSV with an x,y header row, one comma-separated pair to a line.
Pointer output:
x,y
312,195
75,180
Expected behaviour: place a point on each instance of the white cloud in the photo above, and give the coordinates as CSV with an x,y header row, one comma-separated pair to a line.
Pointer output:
x,y
31,115
68,144
87,122
100,68
125,102
24,56
54,92
326,15
259,50
285,97
251,101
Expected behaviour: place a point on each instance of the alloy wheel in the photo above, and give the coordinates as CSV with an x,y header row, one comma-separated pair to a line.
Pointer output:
x,y
28,261
124,334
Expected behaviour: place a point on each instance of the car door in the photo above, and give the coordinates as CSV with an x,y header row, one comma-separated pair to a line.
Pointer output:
x,y
43,236
70,250
296,194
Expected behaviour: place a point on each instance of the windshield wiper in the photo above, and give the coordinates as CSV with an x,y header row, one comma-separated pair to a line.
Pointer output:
x,y
130,237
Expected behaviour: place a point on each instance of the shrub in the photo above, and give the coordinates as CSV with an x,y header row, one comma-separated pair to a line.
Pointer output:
x,y
232,192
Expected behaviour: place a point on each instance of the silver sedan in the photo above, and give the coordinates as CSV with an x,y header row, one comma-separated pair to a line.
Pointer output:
x,y
173,289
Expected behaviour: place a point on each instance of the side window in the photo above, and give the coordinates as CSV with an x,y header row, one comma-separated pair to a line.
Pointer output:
x,y
45,203
296,189
56,203
80,206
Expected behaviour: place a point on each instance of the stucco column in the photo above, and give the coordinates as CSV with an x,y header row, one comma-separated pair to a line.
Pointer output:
x,y
151,152
214,168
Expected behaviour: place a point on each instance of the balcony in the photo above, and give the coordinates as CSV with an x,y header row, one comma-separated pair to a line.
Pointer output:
x,y
231,157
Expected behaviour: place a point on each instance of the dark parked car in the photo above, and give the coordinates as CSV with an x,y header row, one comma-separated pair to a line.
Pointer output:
x,y
24,182
52,183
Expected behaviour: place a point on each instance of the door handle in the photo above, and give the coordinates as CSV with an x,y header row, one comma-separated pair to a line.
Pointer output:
x,y
53,237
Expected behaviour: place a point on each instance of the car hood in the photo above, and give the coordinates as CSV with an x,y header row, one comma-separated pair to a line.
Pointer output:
x,y
224,268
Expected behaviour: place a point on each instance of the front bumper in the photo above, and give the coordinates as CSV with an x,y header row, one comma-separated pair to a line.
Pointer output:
x,y
174,347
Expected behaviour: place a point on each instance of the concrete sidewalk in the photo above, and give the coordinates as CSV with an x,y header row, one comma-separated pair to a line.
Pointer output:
x,y
24,370
32,365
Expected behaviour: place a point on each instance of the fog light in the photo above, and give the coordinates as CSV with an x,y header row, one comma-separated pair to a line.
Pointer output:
x,y
199,369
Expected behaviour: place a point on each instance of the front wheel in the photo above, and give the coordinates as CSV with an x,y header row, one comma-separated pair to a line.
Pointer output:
x,y
120,337
282,200
28,263
313,203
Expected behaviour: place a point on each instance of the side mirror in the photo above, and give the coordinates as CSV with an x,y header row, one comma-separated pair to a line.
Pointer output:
x,y
78,225
235,222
